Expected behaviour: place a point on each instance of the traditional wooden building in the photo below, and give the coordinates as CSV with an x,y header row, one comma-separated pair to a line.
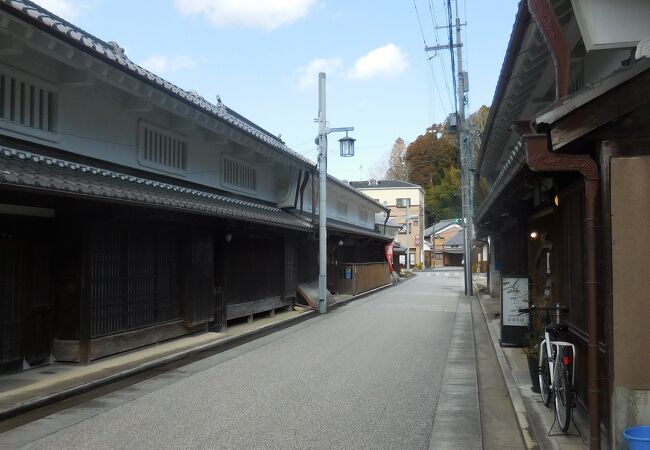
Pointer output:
x,y
565,159
133,211
440,236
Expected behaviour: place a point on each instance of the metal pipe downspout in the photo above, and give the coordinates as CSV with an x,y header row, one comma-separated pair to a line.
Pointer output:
x,y
541,159
386,221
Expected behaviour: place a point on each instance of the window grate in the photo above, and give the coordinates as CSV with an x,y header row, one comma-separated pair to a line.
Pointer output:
x,y
162,149
27,104
239,175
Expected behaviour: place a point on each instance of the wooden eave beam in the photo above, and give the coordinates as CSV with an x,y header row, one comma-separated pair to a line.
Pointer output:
x,y
602,110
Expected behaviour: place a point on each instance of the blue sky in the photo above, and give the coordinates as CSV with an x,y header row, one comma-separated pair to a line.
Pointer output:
x,y
262,57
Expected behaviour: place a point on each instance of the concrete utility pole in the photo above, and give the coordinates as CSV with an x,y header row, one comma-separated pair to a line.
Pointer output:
x,y
465,152
347,149
322,196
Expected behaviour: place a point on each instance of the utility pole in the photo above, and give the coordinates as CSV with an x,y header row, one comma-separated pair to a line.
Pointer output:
x,y
347,149
464,149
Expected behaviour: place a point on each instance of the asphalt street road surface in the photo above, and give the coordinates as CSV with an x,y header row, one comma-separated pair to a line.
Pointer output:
x,y
366,375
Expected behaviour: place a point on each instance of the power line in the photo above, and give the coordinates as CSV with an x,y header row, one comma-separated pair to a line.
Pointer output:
x,y
417,13
442,62
451,52
442,103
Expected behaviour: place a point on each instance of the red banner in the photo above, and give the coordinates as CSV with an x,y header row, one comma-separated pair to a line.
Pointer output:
x,y
389,256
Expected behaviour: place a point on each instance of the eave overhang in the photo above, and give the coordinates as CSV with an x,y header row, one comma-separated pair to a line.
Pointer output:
x,y
336,225
23,170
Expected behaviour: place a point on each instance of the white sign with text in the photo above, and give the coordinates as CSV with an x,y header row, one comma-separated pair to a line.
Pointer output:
x,y
514,291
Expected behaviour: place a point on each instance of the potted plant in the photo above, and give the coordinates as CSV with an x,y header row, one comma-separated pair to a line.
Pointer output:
x,y
531,350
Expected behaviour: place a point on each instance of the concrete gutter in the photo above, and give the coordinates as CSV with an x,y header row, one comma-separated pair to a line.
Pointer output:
x,y
511,384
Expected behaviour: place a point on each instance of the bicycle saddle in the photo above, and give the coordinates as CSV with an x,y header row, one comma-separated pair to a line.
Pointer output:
x,y
557,327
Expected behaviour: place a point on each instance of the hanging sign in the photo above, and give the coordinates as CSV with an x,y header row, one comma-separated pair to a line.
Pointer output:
x,y
514,295
389,255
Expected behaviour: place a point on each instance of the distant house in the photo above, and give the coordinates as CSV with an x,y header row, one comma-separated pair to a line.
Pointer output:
x,y
439,236
406,204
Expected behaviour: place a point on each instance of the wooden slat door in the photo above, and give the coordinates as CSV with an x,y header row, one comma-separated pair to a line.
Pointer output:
x,y
13,288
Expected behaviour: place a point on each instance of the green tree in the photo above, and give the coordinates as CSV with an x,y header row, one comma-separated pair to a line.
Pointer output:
x,y
430,155
443,200
476,125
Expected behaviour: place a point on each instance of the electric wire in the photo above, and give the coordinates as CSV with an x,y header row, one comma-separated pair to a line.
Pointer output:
x,y
417,13
432,92
451,52
434,22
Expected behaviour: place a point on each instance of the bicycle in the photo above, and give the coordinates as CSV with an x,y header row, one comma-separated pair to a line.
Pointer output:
x,y
556,365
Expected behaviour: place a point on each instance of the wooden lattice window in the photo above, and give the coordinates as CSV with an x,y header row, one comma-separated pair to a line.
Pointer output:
x,y
239,175
162,149
133,278
26,105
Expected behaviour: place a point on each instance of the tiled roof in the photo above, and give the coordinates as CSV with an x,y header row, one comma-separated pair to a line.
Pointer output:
x,y
333,224
440,226
32,171
347,186
380,218
107,51
458,240
382,184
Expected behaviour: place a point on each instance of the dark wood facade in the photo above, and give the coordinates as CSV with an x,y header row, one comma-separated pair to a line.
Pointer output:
x,y
26,296
95,279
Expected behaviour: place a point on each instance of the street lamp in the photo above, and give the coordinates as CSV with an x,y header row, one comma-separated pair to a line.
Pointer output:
x,y
347,146
347,149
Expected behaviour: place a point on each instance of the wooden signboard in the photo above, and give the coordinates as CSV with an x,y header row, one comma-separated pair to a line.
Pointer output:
x,y
514,326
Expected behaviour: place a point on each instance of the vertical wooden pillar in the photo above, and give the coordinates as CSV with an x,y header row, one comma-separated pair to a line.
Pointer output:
x,y
84,298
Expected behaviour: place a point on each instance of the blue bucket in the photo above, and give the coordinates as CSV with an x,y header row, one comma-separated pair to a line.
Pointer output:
x,y
638,438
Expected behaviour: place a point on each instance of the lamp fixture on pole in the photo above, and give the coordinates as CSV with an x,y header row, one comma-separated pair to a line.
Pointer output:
x,y
347,149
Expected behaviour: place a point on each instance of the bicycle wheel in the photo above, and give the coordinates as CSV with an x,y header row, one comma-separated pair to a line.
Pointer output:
x,y
544,378
562,393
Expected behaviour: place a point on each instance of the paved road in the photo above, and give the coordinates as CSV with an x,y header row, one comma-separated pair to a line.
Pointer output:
x,y
366,375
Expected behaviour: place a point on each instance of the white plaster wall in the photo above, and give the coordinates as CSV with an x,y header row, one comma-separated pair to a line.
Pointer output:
x,y
92,121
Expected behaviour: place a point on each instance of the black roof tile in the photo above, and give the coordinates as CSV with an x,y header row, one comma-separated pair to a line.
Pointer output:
x,y
30,170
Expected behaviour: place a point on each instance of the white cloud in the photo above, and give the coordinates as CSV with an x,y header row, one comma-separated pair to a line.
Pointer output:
x,y
166,64
386,61
69,10
265,14
310,73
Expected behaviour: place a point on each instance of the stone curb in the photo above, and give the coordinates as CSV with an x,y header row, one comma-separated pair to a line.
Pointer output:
x,y
54,397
